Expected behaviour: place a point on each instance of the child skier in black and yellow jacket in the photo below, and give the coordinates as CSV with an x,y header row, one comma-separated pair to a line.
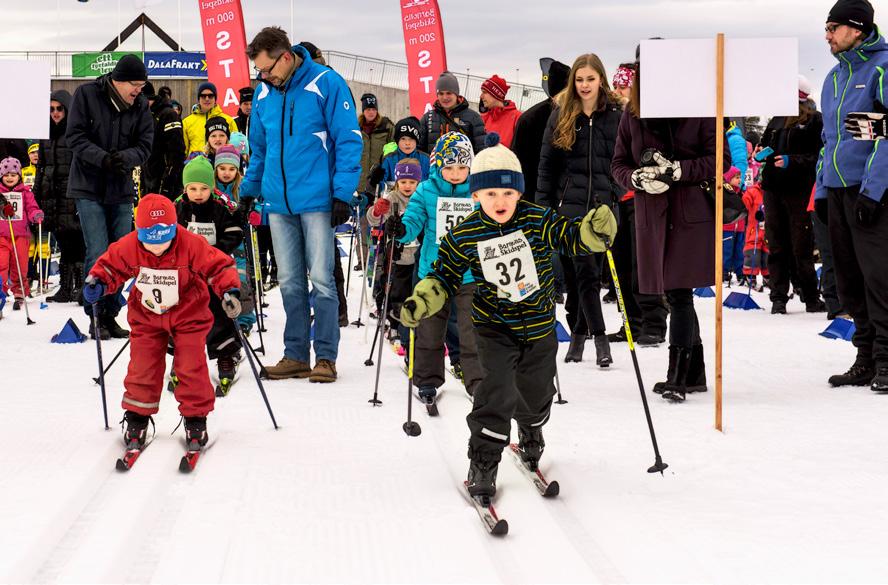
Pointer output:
x,y
507,245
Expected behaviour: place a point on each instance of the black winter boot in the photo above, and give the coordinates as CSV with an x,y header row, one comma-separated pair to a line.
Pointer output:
x,y
602,351
697,370
66,284
659,387
880,380
575,350
677,384
115,330
77,283
861,373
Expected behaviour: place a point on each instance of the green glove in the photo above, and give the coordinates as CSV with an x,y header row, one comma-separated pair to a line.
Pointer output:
x,y
389,148
598,225
427,299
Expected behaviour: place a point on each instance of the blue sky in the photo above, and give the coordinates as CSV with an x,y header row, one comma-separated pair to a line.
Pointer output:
x,y
492,36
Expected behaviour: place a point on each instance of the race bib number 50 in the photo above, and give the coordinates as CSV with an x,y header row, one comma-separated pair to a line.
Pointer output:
x,y
159,288
507,262
451,211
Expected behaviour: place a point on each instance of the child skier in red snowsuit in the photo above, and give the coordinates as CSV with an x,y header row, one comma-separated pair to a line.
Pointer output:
x,y
170,298
755,250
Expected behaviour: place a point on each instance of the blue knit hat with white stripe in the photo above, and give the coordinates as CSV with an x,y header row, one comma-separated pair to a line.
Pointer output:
x,y
496,167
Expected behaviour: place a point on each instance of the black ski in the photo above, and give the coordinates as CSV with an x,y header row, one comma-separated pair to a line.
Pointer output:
x,y
431,403
546,488
492,522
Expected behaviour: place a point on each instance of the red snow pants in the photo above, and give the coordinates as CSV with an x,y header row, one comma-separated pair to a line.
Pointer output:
x,y
188,325
8,270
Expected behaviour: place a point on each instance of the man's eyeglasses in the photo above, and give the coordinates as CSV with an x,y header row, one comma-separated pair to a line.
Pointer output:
x,y
56,109
264,72
207,96
832,28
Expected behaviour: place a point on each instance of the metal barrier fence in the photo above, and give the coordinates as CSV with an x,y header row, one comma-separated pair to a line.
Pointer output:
x,y
352,67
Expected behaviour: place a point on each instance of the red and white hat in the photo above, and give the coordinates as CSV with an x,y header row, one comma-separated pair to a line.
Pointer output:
x,y
804,88
624,77
497,87
156,219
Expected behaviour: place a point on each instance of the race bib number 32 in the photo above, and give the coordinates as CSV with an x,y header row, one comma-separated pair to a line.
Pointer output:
x,y
507,262
159,288
451,211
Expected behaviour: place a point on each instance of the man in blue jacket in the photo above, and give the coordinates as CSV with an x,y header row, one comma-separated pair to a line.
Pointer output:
x,y
852,179
305,164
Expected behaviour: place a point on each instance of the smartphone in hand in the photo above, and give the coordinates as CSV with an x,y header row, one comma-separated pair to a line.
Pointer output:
x,y
764,153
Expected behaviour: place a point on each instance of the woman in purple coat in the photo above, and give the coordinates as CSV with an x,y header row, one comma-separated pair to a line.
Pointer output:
x,y
665,161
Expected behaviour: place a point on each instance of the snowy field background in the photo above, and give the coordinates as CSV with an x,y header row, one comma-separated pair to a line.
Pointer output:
x,y
793,491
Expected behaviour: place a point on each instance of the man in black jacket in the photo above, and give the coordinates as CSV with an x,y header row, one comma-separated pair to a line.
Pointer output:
x,y
245,96
110,132
163,172
450,113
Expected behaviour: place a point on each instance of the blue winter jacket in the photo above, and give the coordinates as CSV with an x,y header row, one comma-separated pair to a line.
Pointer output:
x,y
305,141
391,161
856,84
421,217
737,146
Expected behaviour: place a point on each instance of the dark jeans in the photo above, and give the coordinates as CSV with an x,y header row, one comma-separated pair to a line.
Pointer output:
x,y
684,329
827,268
861,273
582,277
518,383
102,225
791,244
646,313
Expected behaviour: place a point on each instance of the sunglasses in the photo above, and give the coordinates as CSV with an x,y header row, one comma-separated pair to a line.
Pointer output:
x,y
207,96
56,109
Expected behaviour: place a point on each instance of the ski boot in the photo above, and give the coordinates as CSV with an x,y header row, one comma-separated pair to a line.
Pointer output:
x,y
530,446
174,381
457,370
880,380
17,304
136,431
481,481
196,432
227,366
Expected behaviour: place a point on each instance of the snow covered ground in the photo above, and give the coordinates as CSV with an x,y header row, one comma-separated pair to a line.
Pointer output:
x,y
794,490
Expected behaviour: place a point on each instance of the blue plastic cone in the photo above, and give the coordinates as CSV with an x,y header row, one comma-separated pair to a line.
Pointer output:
x,y
561,333
839,329
738,300
704,292
69,334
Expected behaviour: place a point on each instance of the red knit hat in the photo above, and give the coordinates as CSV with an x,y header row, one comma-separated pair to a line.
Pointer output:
x,y
156,219
497,87
731,173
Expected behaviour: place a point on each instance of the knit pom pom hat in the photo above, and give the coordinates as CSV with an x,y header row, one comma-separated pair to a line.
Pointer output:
x,y
496,167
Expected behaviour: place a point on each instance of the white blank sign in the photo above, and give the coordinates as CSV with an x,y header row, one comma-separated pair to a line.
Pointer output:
x,y
26,109
678,77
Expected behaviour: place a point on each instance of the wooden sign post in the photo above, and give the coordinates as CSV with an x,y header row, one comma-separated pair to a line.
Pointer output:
x,y
696,79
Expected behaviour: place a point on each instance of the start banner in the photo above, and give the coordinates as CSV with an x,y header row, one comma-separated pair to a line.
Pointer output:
x,y
426,56
225,44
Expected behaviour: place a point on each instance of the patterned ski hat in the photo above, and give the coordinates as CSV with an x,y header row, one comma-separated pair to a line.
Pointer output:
x,y
624,77
156,219
227,155
240,142
497,87
453,148
10,164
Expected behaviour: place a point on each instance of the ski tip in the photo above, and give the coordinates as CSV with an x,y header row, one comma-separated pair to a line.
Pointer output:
x,y
501,528
552,490
185,465
432,409
121,465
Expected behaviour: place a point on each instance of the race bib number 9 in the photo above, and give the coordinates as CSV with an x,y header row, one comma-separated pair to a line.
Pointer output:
x,y
207,230
159,288
507,262
451,211
15,199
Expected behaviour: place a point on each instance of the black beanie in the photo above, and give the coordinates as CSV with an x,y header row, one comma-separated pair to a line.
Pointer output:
x,y
148,91
129,68
857,14
408,127
217,123
555,74
245,94
368,100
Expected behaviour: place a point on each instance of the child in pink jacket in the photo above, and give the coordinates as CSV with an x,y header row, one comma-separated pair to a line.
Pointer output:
x,y
18,209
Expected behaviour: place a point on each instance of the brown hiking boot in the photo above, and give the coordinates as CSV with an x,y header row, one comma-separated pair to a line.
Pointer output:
x,y
324,371
287,368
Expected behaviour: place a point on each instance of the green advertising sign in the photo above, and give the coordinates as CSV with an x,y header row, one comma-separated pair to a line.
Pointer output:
x,y
95,64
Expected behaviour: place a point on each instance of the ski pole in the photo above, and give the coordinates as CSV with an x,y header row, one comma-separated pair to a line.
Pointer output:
x,y
369,360
18,267
260,296
108,367
95,324
558,388
40,258
380,324
240,335
263,373
411,427
658,465
361,259
351,251
251,261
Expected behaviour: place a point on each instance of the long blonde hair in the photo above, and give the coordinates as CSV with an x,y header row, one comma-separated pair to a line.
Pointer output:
x,y
570,105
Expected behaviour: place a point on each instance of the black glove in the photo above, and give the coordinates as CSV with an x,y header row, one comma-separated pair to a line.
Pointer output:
x,y
396,253
821,208
340,213
394,227
113,163
760,215
376,175
866,210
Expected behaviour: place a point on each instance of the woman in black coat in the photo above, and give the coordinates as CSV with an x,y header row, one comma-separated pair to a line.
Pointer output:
x,y
50,187
574,176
